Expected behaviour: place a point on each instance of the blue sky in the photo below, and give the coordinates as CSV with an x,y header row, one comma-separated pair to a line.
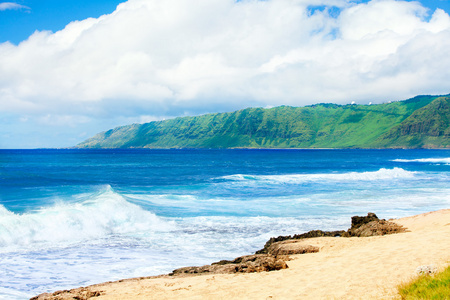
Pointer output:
x,y
70,69
18,22
433,4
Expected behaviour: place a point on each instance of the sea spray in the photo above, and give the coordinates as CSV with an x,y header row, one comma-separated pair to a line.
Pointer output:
x,y
103,214
442,160
382,174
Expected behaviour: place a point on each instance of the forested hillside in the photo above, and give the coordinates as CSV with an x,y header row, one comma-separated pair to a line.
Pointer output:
x,y
420,122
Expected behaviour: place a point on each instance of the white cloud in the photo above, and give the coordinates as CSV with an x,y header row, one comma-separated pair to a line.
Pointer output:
x,y
171,57
11,6
382,18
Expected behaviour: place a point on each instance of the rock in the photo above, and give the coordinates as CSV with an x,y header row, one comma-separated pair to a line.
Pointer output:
x,y
360,227
309,234
84,293
374,228
259,263
243,264
291,247
358,221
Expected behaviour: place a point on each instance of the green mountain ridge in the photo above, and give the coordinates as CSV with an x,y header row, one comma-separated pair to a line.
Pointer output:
x,y
420,122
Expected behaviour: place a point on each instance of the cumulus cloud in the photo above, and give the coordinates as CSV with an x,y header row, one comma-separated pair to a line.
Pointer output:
x,y
11,6
171,57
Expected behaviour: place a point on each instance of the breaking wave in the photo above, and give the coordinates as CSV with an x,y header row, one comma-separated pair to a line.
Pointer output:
x,y
382,174
103,214
443,160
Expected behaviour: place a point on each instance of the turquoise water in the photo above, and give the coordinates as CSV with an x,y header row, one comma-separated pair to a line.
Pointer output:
x,y
78,217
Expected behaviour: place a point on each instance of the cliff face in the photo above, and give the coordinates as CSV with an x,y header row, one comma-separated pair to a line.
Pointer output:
x,y
427,127
419,122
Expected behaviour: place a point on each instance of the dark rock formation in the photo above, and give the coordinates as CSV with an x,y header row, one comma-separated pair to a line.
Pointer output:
x,y
369,225
374,228
243,264
358,221
83,293
309,234
291,247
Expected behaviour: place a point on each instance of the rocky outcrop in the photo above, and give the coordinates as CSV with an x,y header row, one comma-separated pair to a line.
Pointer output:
x,y
309,234
291,247
362,226
83,293
372,226
380,227
243,264
358,221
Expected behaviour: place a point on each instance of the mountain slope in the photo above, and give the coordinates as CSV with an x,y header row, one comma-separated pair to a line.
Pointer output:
x,y
427,127
318,126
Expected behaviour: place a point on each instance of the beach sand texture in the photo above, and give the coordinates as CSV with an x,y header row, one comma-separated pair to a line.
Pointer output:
x,y
344,268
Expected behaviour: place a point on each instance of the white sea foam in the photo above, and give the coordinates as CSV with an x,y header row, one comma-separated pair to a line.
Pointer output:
x,y
197,241
442,160
102,215
382,174
11,294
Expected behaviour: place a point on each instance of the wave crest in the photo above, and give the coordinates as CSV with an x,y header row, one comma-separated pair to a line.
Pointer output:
x,y
103,214
442,160
382,174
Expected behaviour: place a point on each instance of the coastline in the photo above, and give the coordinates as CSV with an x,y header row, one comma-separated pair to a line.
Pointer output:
x,y
344,268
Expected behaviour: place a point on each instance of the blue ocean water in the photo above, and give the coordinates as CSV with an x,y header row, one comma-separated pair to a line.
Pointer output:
x,y
76,217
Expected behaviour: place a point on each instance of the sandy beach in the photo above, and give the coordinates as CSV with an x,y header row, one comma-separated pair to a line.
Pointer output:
x,y
344,268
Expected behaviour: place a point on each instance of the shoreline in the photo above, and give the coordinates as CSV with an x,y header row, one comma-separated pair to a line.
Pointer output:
x,y
344,268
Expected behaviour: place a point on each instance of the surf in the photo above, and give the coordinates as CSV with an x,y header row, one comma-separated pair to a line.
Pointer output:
x,y
442,160
381,174
100,215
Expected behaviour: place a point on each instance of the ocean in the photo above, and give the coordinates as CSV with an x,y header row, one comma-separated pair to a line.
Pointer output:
x,y
73,217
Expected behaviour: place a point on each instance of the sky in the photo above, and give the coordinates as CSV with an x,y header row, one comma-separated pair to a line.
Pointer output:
x,y
70,69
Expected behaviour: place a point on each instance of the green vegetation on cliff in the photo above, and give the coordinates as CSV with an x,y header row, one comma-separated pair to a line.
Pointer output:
x,y
420,122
